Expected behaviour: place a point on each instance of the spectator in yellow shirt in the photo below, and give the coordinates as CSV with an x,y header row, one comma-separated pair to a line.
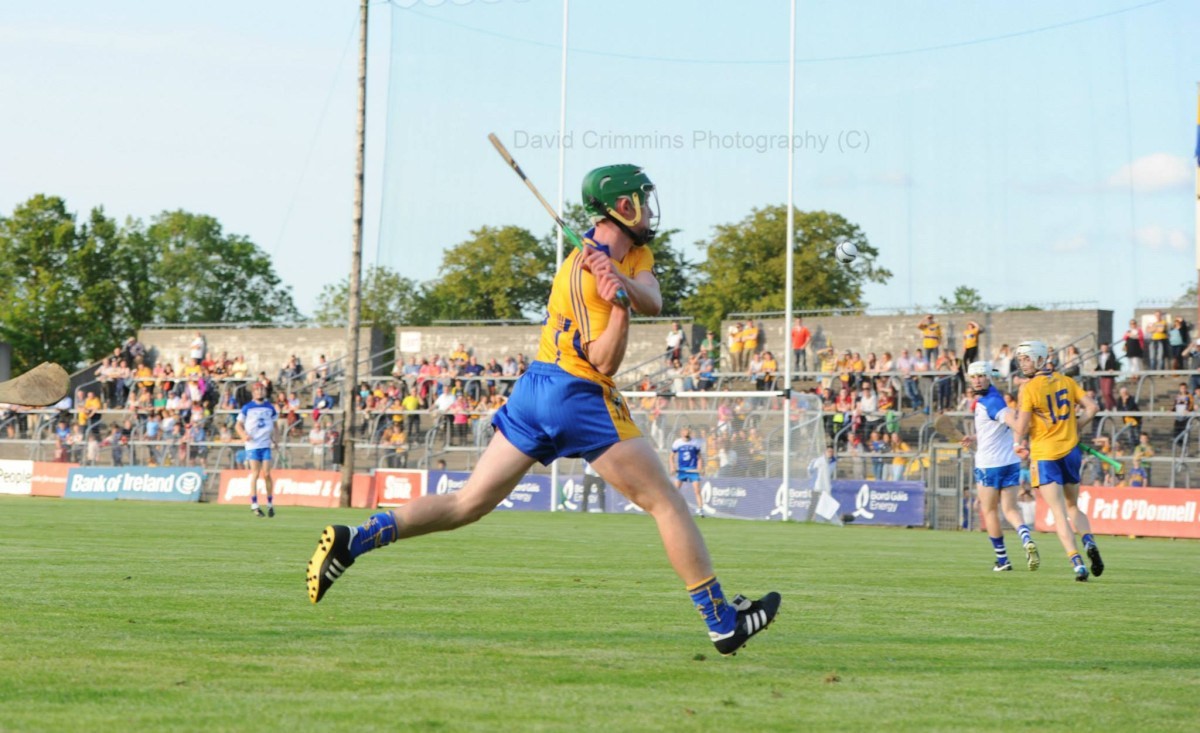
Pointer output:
x,y
736,364
931,337
749,341
971,342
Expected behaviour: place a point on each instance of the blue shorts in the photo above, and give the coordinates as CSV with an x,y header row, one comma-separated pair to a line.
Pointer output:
x,y
552,414
1061,471
258,454
999,478
687,475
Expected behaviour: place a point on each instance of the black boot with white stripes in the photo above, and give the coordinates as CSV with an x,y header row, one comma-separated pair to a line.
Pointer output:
x,y
330,560
752,617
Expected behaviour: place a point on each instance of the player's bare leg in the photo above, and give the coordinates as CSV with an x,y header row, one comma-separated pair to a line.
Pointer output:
x,y
499,470
269,484
989,500
1083,527
1012,512
699,499
1055,498
255,473
633,468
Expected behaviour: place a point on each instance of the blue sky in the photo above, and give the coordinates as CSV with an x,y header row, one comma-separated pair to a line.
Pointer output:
x,y
1035,151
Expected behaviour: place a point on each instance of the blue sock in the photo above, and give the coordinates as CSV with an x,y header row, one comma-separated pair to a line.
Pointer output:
x,y
1076,560
1001,553
714,609
1089,541
1026,536
271,500
378,531
254,500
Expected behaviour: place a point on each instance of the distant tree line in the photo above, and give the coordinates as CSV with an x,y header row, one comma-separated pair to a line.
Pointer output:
x,y
75,289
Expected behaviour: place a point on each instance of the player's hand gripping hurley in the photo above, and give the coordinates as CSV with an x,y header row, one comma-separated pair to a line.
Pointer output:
x,y
575,239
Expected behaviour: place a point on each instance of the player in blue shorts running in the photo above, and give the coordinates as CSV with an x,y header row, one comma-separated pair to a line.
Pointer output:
x,y
687,454
997,467
566,405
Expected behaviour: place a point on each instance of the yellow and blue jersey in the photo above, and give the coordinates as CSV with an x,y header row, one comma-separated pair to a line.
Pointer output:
x,y
1052,398
576,315
563,406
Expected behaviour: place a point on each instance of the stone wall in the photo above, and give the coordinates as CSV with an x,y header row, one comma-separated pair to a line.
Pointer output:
x,y
269,348
647,341
266,349
866,334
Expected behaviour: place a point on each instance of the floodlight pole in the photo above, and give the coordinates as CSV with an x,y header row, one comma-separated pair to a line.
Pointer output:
x,y
354,305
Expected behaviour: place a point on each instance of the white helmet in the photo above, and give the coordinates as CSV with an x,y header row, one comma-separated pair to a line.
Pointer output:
x,y
1035,350
982,368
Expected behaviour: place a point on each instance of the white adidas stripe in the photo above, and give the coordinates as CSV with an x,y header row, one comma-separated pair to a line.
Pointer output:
x,y
335,570
756,621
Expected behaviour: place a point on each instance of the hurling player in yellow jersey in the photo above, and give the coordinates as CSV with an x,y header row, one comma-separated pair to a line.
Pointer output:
x,y
566,405
1047,407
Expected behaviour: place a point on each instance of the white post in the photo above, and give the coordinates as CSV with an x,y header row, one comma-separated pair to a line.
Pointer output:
x,y
787,290
562,154
1194,333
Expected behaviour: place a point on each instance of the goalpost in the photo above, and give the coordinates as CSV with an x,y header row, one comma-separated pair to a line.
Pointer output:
x,y
762,456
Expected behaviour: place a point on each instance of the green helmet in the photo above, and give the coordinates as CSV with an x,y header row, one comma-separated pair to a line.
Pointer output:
x,y
604,186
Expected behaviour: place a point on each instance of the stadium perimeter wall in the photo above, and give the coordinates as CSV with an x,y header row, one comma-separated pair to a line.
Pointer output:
x,y
269,348
646,340
878,334
266,349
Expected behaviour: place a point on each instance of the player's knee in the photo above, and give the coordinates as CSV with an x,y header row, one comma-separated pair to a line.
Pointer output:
x,y
656,499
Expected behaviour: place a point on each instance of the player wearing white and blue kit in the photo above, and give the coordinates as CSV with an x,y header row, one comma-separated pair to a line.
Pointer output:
x,y
687,454
256,425
567,405
997,467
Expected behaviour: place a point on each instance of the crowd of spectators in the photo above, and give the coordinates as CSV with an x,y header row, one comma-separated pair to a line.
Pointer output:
x,y
175,410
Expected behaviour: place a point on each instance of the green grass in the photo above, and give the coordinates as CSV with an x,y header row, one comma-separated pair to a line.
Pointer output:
x,y
143,616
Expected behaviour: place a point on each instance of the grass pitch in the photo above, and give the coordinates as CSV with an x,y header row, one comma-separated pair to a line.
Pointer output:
x,y
143,616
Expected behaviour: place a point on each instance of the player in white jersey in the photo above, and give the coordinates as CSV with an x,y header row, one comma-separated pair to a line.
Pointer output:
x,y
997,467
256,425
686,456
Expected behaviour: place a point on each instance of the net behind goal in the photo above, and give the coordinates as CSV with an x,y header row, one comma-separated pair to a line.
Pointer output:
x,y
744,438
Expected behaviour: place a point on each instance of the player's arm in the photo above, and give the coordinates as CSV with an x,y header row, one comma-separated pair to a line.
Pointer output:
x,y
607,351
645,295
1020,426
1090,408
239,426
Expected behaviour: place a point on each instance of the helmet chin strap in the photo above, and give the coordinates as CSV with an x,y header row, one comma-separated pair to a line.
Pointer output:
x,y
639,239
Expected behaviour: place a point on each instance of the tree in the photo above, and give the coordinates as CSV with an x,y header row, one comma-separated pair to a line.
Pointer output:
x,y
499,274
387,299
202,275
40,311
964,300
1188,299
74,291
745,265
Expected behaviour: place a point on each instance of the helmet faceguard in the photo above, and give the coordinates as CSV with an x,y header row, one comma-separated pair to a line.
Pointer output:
x,y
604,187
